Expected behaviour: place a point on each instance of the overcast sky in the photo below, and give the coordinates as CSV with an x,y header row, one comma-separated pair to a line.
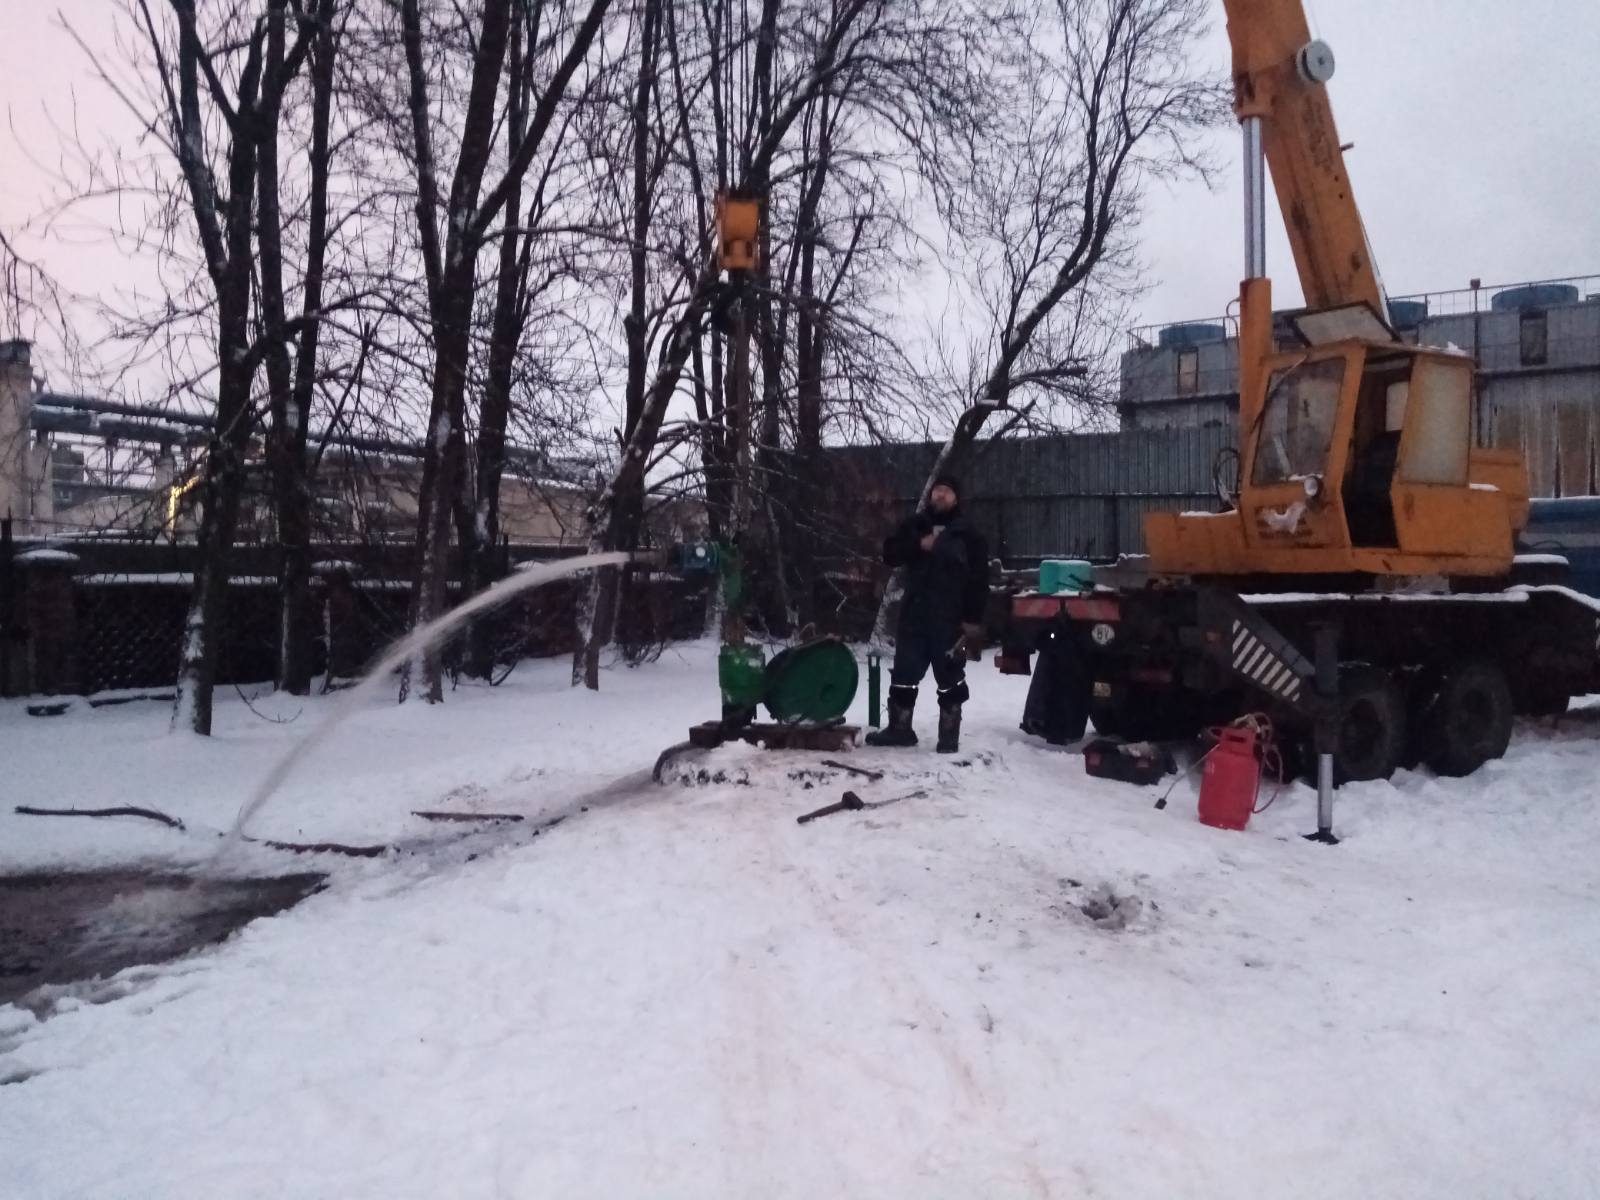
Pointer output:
x,y
1474,123
1476,126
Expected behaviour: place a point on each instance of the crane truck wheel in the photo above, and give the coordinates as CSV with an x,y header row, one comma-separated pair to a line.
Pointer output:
x,y
1469,720
1372,724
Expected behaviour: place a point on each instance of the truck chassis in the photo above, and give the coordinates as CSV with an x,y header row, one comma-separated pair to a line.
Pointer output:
x,y
1430,676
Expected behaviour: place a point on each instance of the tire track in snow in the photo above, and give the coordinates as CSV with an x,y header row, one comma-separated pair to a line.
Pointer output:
x,y
753,1069
906,992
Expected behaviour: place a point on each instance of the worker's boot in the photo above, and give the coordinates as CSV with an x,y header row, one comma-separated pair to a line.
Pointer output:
x,y
902,703
949,729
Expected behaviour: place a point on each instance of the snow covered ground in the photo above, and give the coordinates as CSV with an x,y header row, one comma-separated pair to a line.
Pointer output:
x,y
679,992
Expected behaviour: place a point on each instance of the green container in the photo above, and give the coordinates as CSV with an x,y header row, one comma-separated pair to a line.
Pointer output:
x,y
812,682
1065,575
741,673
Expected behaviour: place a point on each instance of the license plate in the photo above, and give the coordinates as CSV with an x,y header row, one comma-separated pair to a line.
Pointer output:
x,y
1102,690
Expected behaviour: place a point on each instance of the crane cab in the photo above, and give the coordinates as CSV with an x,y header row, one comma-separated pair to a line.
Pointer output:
x,y
1356,457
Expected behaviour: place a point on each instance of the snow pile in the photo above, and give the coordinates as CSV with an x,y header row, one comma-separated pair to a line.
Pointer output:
x,y
47,554
1023,983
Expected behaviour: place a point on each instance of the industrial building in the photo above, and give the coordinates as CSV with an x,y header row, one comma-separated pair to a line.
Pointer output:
x,y
75,465
1537,345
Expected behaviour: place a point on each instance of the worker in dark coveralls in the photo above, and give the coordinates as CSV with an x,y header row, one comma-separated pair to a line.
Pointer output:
x,y
946,566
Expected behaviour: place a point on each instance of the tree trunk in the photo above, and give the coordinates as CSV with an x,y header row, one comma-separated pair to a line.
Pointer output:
x,y
623,522
298,621
225,233
452,277
452,268
436,502
480,539
289,390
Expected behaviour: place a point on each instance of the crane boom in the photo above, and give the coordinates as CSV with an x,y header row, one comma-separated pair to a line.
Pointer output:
x,y
1273,81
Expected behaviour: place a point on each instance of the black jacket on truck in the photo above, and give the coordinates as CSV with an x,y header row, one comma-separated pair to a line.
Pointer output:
x,y
947,586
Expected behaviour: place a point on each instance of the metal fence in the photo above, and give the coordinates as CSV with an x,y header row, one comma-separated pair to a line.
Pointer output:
x,y
106,618
1461,301
1152,337
1074,495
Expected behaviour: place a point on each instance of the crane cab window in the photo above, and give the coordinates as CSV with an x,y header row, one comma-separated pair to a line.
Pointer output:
x,y
1394,405
1438,435
1297,421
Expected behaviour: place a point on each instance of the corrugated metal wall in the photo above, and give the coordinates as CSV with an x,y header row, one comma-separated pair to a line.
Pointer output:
x,y
1550,410
1554,420
1077,495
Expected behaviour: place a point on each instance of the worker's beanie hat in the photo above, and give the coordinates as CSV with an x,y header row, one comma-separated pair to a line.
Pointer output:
x,y
949,480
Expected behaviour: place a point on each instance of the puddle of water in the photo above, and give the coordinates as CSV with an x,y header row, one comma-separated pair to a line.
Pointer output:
x,y
68,927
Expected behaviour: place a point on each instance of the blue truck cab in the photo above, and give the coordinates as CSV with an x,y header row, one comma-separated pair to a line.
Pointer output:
x,y
1569,527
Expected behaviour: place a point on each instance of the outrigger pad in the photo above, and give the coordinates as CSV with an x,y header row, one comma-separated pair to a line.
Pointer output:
x,y
1248,645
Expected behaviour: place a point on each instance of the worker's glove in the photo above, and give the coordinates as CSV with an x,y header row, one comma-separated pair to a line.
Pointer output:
x,y
971,643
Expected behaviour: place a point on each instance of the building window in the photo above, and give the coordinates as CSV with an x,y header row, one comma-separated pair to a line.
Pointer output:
x,y
1188,372
1534,337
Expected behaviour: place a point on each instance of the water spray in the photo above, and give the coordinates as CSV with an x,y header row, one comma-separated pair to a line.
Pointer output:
x,y
407,648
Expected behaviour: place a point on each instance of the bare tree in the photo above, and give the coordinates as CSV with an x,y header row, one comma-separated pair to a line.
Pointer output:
x,y
803,51
292,388
450,255
222,87
1048,199
542,277
650,134
1100,99
33,303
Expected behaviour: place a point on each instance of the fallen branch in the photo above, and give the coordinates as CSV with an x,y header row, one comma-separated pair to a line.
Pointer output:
x,y
61,705
324,848
458,816
126,810
248,703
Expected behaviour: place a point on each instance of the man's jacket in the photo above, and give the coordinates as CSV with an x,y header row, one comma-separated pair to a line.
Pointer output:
x,y
947,586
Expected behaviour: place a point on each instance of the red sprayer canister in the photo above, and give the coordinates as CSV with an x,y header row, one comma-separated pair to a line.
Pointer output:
x,y
1232,776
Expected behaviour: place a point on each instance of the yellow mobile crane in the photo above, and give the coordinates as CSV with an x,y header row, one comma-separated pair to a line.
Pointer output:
x,y
1356,449
1362,583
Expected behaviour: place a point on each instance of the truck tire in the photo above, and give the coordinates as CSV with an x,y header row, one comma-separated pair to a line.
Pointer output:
x,y
1372,724
1468,721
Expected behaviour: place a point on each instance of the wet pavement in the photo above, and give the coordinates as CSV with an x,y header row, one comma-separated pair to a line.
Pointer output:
x,y
59,928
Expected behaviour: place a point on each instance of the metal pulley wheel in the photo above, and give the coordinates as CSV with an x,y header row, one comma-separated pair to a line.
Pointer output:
x,y
1315,62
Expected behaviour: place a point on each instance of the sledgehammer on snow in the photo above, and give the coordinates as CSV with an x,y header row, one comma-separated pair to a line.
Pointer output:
x,y
850,803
